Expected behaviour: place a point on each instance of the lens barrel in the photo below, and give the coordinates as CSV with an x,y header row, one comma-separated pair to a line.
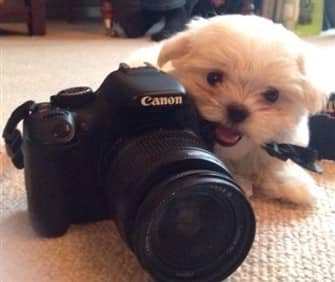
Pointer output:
x,y
178,208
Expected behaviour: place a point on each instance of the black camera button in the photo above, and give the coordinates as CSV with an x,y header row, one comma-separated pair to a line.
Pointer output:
x,y
73,97
84,126
43,107
124,67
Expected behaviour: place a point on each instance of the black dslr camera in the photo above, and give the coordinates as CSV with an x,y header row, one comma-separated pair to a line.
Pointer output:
x,y
132,151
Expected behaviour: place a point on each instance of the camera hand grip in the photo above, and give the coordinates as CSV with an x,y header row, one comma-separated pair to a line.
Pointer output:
x,y
46,187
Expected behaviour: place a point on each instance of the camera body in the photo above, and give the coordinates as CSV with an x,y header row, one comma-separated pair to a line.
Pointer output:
x,y
67,142
132,151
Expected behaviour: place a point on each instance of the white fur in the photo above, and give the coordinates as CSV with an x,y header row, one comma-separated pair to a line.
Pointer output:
x,y
253,53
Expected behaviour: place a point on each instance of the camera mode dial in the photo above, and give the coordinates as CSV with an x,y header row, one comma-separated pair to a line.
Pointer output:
x,y
73,97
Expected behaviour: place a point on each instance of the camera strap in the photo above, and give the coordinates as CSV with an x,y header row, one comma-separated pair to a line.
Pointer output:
x,y
303,156
12,136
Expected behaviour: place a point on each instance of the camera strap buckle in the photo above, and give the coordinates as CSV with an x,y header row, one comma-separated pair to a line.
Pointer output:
x,y
12,136
305,157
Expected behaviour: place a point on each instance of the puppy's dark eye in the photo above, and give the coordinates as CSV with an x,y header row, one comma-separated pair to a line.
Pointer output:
x,y
214,77
271,95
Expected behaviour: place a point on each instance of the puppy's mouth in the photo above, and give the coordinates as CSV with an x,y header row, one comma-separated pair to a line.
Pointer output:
x,y
227,136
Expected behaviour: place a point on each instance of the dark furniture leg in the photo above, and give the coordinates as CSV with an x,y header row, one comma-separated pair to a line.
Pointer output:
x,y
36,16
70,11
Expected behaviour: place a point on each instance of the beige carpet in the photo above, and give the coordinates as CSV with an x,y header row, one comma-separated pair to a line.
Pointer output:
x,y
292,244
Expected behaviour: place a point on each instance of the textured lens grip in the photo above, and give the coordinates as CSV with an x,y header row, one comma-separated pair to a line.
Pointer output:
x,y
147,171
144,161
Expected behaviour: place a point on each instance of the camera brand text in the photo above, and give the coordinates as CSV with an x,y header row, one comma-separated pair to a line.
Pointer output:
x,y
161,101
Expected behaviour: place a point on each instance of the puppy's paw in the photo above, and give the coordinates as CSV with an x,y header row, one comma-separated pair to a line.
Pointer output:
x,y
294,191
291,184
246,185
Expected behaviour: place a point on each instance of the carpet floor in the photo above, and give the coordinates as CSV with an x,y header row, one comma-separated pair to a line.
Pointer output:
x,y
292,243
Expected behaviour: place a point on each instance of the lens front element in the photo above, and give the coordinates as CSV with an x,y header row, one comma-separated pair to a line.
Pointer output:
x,y
189,230
200,228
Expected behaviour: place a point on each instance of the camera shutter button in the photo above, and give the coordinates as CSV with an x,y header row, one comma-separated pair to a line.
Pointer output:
x,y
73,97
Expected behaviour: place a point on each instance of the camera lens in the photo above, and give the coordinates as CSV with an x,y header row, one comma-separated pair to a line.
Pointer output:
x,y
178,208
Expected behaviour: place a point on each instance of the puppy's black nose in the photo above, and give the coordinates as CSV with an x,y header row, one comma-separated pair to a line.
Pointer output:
x,y
237,113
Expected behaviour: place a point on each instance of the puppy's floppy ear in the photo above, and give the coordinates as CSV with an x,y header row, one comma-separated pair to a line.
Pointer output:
x,y
315,97
175,48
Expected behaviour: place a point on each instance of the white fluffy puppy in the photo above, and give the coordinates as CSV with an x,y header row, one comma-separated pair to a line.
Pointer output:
x,y
248,76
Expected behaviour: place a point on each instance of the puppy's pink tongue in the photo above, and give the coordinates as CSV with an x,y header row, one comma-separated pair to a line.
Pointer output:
x,y
227,136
